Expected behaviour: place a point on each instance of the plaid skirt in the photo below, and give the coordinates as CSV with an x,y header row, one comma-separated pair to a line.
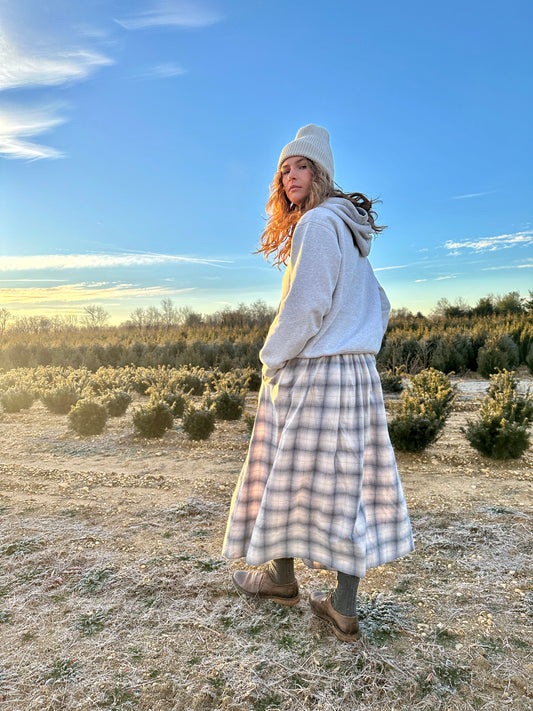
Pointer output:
x,y
320,480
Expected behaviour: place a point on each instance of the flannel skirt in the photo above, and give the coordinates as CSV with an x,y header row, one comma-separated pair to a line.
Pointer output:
x,y
320,480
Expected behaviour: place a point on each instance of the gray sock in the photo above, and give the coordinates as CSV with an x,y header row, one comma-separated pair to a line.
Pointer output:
x,y
344,598
281,571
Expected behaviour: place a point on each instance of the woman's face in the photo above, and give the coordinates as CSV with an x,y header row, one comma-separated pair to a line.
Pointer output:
x,y
296,178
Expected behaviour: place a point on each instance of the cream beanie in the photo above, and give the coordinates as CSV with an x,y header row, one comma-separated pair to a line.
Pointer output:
x,y
311,142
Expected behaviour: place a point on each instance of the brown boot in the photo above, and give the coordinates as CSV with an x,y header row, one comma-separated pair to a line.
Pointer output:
x,y
259,584
345,628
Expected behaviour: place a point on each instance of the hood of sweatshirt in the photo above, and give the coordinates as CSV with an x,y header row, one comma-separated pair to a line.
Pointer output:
x,y
356,219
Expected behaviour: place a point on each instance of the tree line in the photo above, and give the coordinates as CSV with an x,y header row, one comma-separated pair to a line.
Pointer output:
x,y
495,333
163,318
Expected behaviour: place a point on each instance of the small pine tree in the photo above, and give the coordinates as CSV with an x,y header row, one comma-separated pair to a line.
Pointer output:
x,y
59,400
499,352
434,388
502,429
15,400
116,402
153,420
228,405
503,388
191,382
421,414
253,380
414,432
199,424
87,417
529,359
391,380
177,403
249,418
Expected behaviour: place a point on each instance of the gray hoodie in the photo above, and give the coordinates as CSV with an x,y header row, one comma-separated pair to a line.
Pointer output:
x,y
331,302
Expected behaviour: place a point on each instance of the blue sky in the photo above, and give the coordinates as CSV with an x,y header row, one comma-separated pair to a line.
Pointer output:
x,y
138,139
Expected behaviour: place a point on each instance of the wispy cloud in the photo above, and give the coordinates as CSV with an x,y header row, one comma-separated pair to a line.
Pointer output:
x,y
27,66
384,269
83,292
472,195
163,71
443,278
33,280
491,244
24,67
17,124
99,261
528,264
173,13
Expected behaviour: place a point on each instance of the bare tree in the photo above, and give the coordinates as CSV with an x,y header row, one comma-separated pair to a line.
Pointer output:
x,y
138,318
95,316
439,310
153,317
263,314
402,312
5,315
182,314
169,314
66,322
32,324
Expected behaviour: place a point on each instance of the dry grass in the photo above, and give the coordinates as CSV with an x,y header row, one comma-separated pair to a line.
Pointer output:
x,y
113,596
85,624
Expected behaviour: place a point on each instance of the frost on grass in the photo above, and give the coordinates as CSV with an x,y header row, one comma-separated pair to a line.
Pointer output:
x,y
193,507
100,614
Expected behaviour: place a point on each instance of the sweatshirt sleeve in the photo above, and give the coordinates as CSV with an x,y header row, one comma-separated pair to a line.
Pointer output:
x,y
385,308
307,294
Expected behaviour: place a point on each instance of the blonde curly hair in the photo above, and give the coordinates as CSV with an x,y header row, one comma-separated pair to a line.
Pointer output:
x,y
283,215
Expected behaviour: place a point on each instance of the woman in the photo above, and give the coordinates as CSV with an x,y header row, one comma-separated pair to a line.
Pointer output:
x,y
320,480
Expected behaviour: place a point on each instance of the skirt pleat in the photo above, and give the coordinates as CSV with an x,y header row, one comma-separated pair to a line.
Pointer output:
x,y
320,481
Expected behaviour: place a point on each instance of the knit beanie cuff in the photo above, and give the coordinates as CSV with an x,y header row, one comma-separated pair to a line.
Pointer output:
x,y
311,142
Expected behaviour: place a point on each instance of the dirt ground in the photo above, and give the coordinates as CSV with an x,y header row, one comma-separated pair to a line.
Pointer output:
x,y
120,474
459,609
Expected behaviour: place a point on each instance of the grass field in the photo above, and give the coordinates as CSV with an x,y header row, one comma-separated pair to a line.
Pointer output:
x,y
113,594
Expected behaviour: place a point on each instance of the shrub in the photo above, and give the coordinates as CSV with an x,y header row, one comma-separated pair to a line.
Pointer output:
x,y
434,389
453,353
497,437
501,431
391,381
402,349
190,382
420,415
239,379
228,405
503,388
116,402
177,403
199,424
253,381
140,382
153,420
414,432
529,360
499,352
14,400
87,417
59,400
249,418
